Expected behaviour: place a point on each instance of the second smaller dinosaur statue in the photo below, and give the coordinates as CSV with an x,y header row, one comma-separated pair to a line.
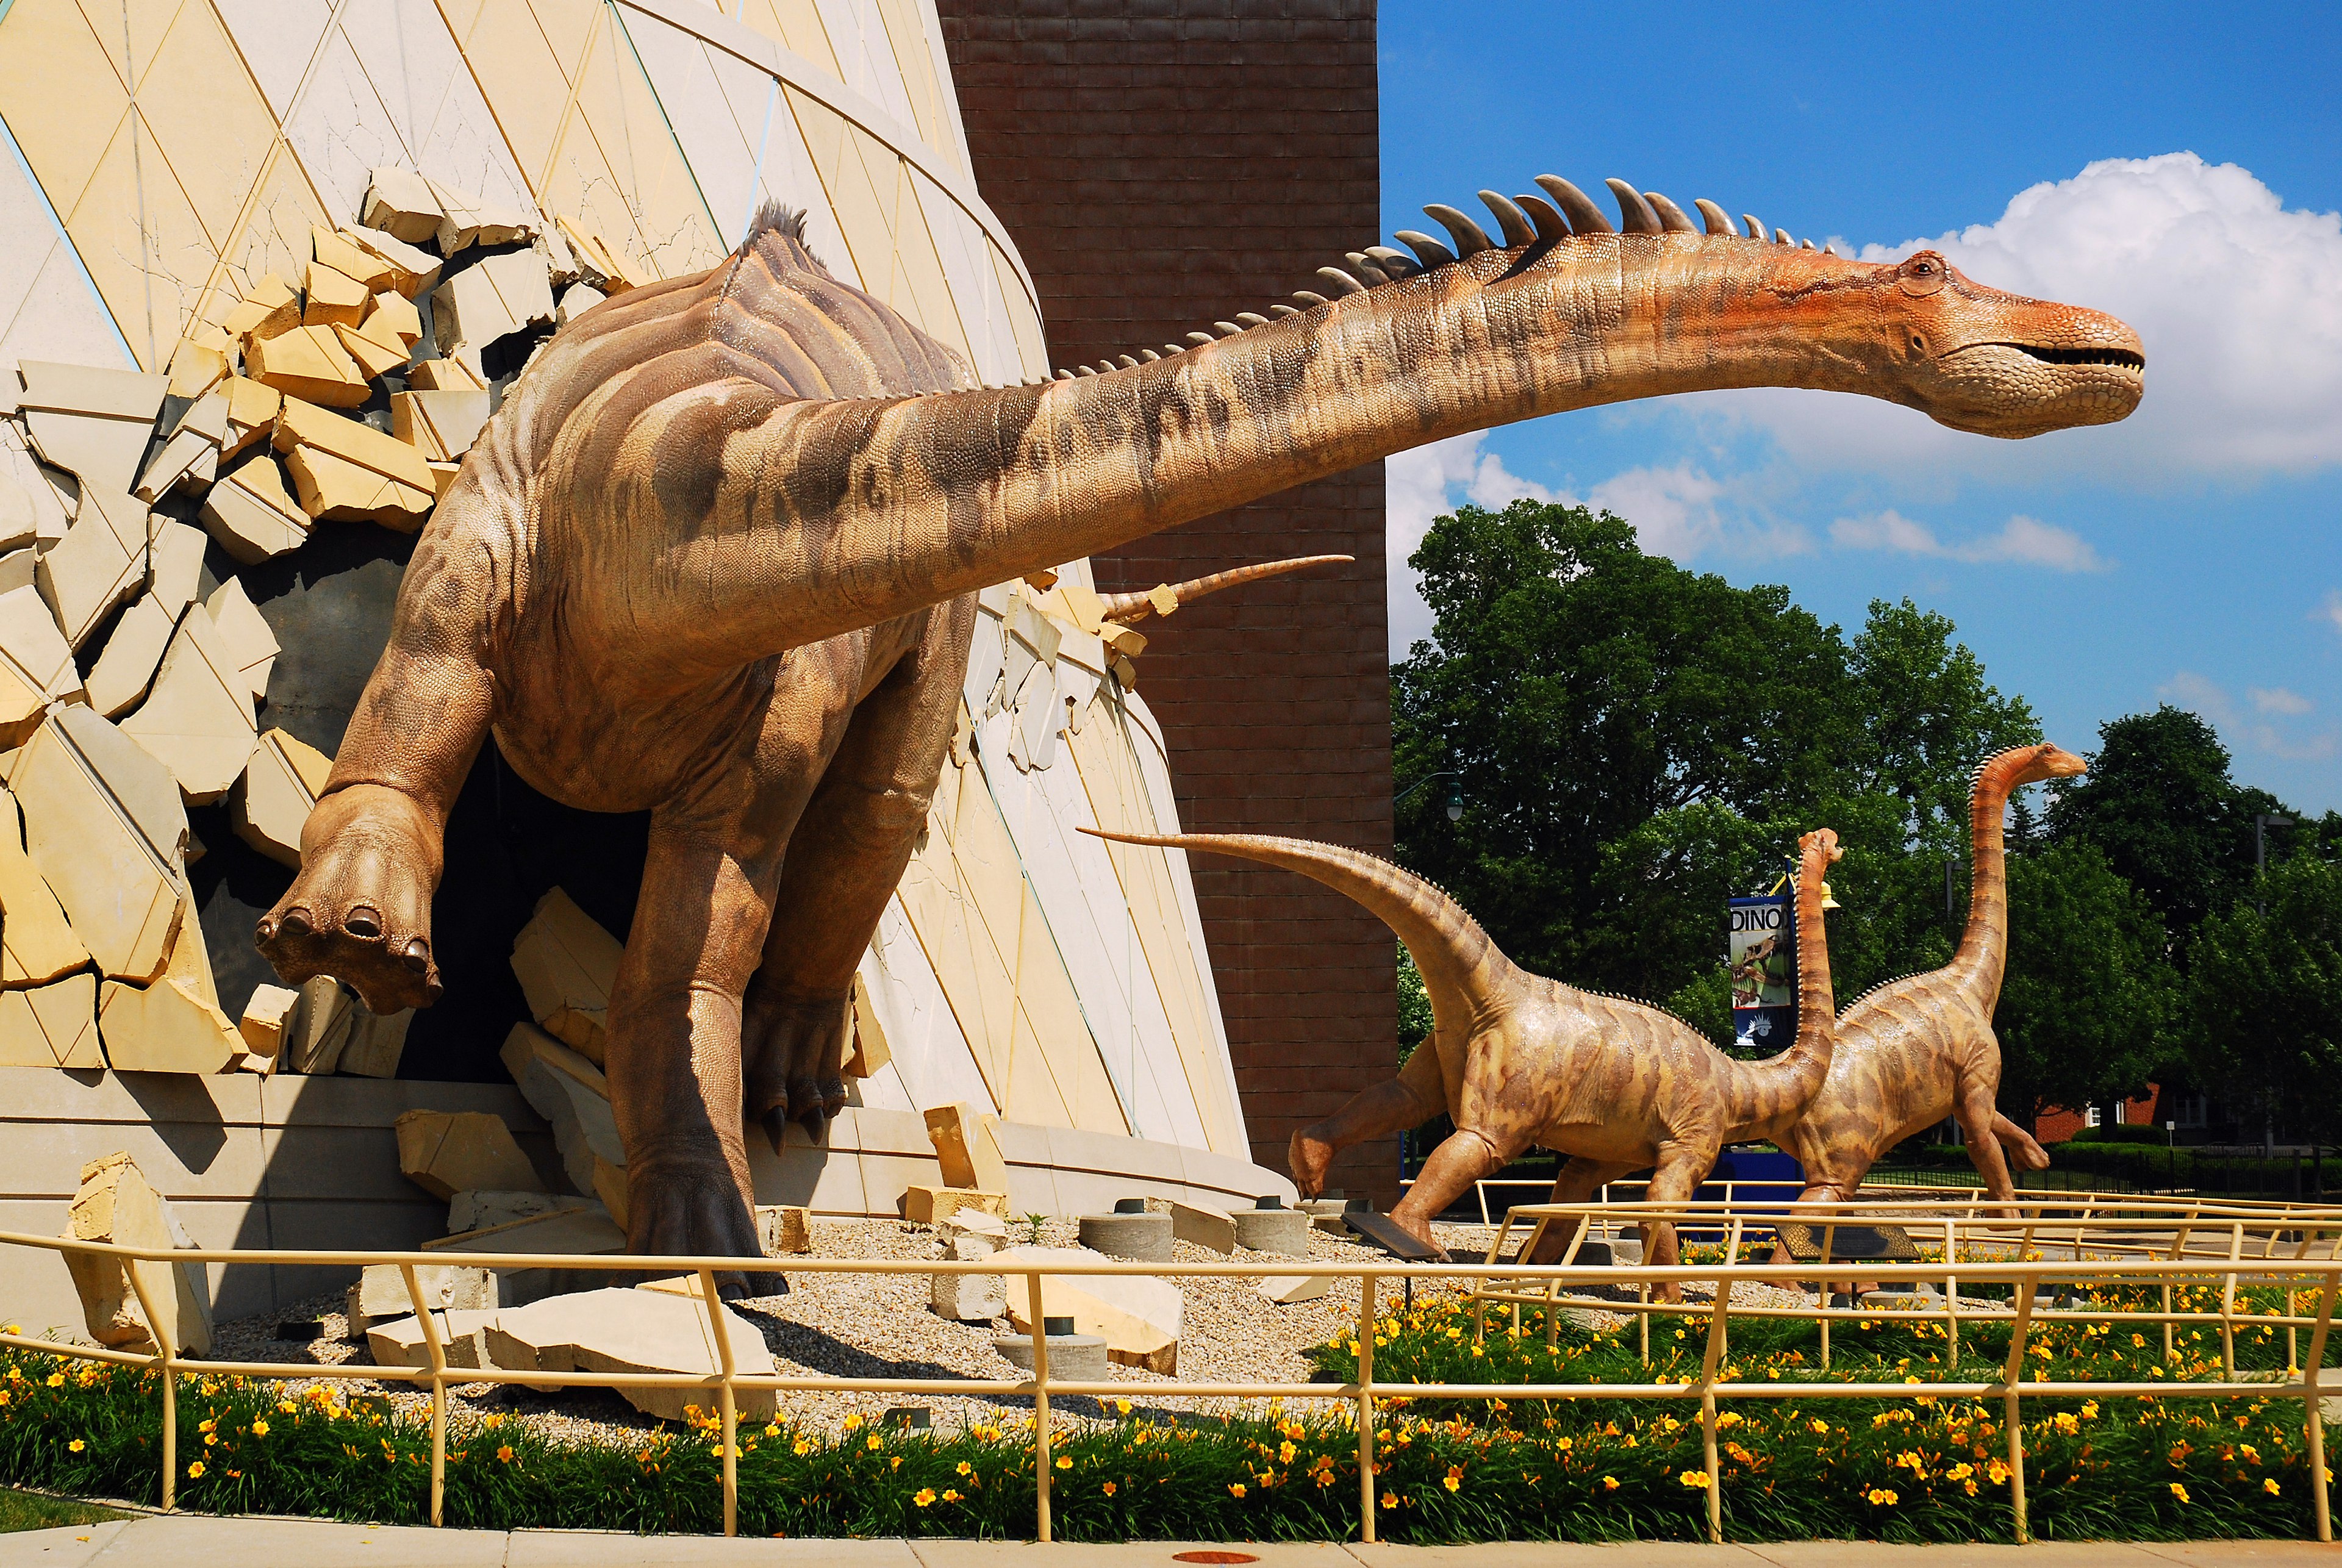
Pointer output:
x,y
1517,1059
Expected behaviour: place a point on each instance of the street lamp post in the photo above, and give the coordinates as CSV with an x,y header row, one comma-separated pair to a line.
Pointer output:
x,y
2262,822
1454,793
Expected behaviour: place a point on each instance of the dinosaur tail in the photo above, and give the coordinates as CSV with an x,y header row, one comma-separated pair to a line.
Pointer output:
x,y
1128,609
1455,957
1777,1091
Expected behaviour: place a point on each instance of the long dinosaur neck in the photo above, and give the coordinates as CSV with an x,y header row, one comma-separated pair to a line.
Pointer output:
x,y
1983,952
1461,967
1772,1092
830,516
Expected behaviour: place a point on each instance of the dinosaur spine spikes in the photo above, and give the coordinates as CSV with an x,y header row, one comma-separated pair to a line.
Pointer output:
x,y
1635,216
1672,218
1552,228
1429,251
1718,220
1576,206
1470,238
1517,229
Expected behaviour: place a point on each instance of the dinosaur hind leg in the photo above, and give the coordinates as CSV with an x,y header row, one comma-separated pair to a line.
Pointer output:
x,y
1403,1103
845,859
1682,1165
1463,1158
1977,1114
360,909
1579,1180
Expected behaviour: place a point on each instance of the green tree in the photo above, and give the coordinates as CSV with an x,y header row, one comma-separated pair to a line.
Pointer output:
x,y
1413,1006
2089,997
2264,996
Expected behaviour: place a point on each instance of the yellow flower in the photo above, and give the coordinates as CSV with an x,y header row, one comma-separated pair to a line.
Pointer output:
x,y
853,1419
1122,1407
1235,1489
923,1495
1285,1452
56,1379
1390,1499
805,1446
504,1452
76,1446
195,1471
1960,1472
870,1442
1106,1487
2271,1486
950,1496
2089,1410
1064,1462
1693,1478
1609,1484
1729,1418
966,1468
2066,1422
2252,1456
260,1429
1882,1497
289,1408
2179,1492
1821,1427
2138,1341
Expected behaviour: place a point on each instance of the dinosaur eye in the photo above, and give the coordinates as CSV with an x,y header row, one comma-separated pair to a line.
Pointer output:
x,y
1922,275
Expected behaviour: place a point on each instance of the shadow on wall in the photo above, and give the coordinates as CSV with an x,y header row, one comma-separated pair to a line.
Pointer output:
x,y
329,605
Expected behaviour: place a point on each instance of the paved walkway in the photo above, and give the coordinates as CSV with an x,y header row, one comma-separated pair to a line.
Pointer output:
x,y
194,1540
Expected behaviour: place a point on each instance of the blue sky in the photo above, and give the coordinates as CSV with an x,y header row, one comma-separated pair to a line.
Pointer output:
x,y
2180,168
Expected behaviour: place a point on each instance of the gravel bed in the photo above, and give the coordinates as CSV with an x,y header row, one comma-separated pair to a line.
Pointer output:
x,y
872,1326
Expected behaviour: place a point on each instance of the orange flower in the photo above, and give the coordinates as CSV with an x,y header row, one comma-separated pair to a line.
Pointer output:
x,y
504,1452
1108,1488
925,1495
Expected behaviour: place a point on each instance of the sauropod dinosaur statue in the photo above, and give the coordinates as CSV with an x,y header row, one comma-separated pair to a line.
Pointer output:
x,y
712,559
1516,1059
795,1020
1916,1050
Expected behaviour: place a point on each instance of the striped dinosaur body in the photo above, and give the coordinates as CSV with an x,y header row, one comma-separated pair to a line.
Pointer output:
x,y
714,557
1516,1059
1920,1049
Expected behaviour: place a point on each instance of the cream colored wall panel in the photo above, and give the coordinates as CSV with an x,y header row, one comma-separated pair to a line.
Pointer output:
x,y
670,209
795,26
571,27
1032,348
939,59
411,58
138,25
277,38
974,287
150,272
920,287
214,129
975,982
276,234
863,220
723,161
524,85
341,129
1046,999
788,176
63,101
907,40
865,62
931,1057
988,860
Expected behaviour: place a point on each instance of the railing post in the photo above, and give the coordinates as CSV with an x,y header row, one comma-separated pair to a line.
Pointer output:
x,y
2228,1303
165,1357
1366,1292
2012,1417
727,1403
1952,1287
438,1357
1040,1404
1716,1336
2315,1421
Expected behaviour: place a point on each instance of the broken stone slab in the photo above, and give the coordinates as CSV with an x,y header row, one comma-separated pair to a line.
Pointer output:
x,y
374,346
174,1025
351,260
468,220
381,1294
197,367
198,719
308,362
485,1210
269,309
449,1152
92,422
1285,1290
175,573
784,1228
1139,1317
442,425
333,489
969,1298
1204,1227
413,270
462,1339
584,1130
36,664
376,1041
105,824
866,1050
190,459
265,1019
252,411
53,1025
252,515
333,298
575,301
615,1329
600,264
527,1043
586,1231
18,569
37,945
566,965
133,652
924,1206
116,1205
445,374
20,519
393,320
966,1148
319,1027
278,791
245,632
99,565
402,204
610,1186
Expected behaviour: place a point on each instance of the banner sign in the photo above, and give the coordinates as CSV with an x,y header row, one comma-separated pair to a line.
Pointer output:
x,y
1763,963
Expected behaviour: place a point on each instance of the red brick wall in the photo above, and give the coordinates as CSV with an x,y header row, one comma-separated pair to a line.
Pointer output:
x,y
1163,164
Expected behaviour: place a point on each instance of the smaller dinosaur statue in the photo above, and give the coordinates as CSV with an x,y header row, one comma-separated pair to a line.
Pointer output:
x,y
1916,1050
1517,1059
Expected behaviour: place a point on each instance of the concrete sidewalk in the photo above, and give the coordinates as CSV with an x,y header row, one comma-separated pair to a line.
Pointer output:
x,y
196,1540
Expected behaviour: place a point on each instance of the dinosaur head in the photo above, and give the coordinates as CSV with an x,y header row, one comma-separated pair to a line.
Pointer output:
x,y
1997,363
2050,762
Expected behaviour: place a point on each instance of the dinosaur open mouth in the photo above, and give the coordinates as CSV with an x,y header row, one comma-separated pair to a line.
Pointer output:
x,y
2122,357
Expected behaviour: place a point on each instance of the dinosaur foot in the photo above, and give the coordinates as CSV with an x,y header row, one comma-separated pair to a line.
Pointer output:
x,y
1308,1159
360,910
693,1209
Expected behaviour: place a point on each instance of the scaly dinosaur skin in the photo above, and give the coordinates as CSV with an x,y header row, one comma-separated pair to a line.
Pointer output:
x,y
1919,1049
1517,1059
711,558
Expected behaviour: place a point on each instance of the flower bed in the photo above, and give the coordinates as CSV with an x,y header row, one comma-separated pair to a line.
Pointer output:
x,y
2139,1467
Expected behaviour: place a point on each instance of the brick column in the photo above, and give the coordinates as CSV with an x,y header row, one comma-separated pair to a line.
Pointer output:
x,y
1163,164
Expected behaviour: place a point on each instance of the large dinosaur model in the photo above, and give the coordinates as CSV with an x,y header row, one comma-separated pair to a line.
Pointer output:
x,y
1916,1050
726,526
1517,1059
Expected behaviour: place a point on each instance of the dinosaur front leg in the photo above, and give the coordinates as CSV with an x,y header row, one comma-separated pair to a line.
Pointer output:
x,y
674,1046
1404,1102
1977,1114
844,860
1465,1157
360,909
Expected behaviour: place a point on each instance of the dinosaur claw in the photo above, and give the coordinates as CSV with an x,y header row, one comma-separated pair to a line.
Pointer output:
x,y
363,920
297,925
417,956
265,931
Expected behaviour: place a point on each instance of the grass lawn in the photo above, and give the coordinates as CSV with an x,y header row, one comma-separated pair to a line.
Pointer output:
x,y
30,1511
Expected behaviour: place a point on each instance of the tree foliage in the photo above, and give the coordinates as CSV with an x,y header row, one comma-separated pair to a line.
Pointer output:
x,y
2264,998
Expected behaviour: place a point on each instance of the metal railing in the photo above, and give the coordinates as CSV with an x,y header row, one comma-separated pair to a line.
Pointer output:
x,y
2166,1260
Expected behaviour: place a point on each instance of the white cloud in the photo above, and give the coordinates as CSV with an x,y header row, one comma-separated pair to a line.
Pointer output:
x,y
2333,610
2237,300
2189,690
1419,485
2024,540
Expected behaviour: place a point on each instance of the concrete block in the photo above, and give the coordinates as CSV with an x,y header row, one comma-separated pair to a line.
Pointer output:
x,y
333,298
1142,1237
37,945
252,515
480,1211
245,632
784,1228
266,1017
402,204
566,965
1073,1357
319,1027
105,824
331,489
585,1232
1138,1318
300,425
269,309
173,1024
1205,1228
308,362
252,410
278,791
374,356
1284,1232
197,367
575,301
622,1331
116,1205
392,316
376,1041
468,220
37,666
133,653
971,1221
197,719
966,1148
446,375
448,1152
462,1339
99,565
1285,1290
527,1043
924,1206
381,1294
18,569
353,262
